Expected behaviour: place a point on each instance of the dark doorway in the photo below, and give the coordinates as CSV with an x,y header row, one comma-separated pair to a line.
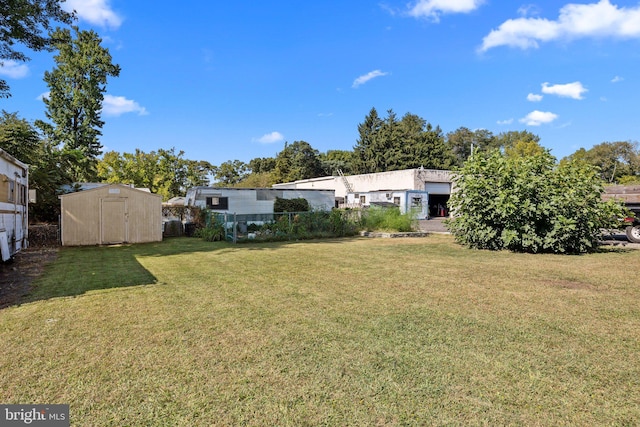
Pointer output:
x,y
438,205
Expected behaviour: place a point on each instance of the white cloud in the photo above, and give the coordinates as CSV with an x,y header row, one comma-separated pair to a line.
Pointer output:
x,y
600,19
118,105
270,138
43,95
505,122
537,118
570,90
96,12
617,79
13,69
434,8
528,10
534,97
365,78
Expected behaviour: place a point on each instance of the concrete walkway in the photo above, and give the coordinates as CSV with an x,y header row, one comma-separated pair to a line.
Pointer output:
x,y
433,225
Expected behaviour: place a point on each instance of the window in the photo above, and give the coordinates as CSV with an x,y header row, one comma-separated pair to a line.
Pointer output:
x,y
363,199
416,201
218,203
396,201
12,190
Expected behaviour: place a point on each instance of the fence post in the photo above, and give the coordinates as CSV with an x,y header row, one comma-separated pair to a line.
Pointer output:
x,y
235,228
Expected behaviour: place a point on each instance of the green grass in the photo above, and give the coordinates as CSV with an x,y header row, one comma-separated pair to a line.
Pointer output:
x,y
339,332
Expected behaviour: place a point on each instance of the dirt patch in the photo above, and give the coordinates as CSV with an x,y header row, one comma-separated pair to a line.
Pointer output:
x,y
16,276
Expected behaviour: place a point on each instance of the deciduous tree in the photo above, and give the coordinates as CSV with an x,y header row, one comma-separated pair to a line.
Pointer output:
x,y
47,164
26,23
619,162
163,172
530,204
77,85
296,161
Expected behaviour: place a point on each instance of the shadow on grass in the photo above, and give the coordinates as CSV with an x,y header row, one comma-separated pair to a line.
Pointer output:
x,y
78,270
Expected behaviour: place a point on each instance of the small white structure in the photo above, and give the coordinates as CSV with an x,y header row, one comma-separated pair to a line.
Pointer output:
x,y
14,212
254,200
437,183
407,201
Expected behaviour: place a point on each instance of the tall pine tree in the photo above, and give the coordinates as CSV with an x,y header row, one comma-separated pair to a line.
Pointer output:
x,y
77,85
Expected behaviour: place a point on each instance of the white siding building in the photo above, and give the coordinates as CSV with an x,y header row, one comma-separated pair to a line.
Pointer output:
x,y
349,189
255,200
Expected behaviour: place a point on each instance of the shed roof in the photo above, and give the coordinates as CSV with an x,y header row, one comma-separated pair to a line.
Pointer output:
x,y
110,186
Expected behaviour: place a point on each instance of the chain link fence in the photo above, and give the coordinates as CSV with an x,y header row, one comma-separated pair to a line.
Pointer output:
x,y
284,226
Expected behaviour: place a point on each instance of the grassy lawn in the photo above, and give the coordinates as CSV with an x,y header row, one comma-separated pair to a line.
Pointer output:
x,y
339,332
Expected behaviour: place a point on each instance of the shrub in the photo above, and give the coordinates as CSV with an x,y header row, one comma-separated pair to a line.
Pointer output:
x,y
213,231
386,219
530,204
290,205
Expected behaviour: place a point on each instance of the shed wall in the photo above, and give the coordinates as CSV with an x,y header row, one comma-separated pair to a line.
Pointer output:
x,y
85,218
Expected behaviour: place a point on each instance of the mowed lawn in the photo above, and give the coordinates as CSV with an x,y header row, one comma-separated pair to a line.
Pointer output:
x,y
337,332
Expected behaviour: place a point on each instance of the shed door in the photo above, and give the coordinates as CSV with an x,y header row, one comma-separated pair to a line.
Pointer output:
x,y
114,221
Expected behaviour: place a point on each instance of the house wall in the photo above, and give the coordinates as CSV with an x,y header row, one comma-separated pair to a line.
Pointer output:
x,y
104,214
257,200
14,189
413,179
403,199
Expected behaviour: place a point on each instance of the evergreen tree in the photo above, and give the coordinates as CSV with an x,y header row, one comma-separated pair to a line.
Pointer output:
x,y
362,152
391,144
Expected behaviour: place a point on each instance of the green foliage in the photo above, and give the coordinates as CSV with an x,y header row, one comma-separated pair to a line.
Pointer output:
x,y
24,23
387,219
391,144
212,231
48,165
619,162
231,173
306,225
333,160
512,143
290,205
296,161
530,204
76,90
19,138
463,140
262,164
256,180
164,172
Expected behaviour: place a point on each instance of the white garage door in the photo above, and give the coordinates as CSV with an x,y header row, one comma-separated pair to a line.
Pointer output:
x,y
437,187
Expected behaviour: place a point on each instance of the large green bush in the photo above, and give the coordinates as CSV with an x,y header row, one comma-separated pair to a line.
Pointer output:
x,y
530,204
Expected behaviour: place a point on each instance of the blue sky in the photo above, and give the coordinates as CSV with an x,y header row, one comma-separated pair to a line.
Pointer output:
x,y
235,80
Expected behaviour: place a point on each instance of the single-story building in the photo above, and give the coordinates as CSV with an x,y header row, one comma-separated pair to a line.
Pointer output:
x,y
253,201
110,214
14,212
437,183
